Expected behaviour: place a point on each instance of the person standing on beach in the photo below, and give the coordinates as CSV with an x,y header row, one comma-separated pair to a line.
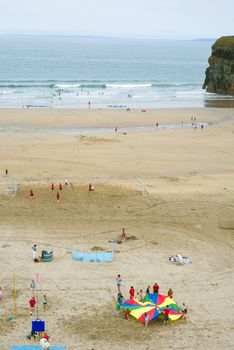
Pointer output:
x,y
120,298
155,288
32,303
141,297
89,104
119,282
58,196
132,292
34,252
146,319
6,172
44,302
166,315
32,287
147,290
52,186
184,309
60,186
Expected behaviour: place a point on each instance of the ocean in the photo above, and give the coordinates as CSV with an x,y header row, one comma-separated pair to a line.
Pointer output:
x,y
78,72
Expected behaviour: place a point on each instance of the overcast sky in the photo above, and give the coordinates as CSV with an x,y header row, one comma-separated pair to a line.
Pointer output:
x,y
180,19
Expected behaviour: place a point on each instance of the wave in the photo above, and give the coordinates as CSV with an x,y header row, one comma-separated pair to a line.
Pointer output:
x,y
13,86
127,86
82,86
50,84
168,85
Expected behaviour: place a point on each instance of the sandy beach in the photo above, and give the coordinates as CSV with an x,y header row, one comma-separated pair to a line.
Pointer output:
x,y
188,209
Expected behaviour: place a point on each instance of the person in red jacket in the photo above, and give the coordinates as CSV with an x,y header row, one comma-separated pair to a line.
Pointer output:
x,y
31,193
60,186
58,196
155,288
132,292
166,315
52,187
32,303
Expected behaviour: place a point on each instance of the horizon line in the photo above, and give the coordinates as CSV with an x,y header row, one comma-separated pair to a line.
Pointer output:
x,y
106,36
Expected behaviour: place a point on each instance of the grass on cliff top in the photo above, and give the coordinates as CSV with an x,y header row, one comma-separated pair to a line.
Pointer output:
x,y
225,40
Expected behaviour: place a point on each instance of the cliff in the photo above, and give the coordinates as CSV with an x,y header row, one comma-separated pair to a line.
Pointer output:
x,y
220,73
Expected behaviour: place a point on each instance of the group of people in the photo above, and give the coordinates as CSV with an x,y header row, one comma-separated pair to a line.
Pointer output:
x,y
140,297
44,339
44,253
60,188
32,303
32,300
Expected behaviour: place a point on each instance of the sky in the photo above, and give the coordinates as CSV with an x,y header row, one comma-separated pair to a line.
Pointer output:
x,y
170,19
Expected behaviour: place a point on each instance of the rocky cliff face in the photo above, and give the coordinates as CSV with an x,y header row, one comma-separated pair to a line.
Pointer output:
x,y
220,73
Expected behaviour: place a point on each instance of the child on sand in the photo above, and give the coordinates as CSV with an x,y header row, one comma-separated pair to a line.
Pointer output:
x,y
118,282
32,287
34,252
132,292
120,299
141,296
146,320
32,303
124,234
147,290
44,302
166,315
184,309
155,288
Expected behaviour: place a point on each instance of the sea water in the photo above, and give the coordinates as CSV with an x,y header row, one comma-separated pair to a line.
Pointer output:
x,y
83,72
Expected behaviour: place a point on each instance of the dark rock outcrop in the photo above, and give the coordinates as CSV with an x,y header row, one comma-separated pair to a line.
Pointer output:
x,y
220,73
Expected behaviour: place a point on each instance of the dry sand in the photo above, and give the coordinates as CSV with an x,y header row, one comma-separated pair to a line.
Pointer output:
x,y
189,210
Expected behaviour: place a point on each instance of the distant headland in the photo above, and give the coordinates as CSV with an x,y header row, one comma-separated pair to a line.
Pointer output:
x,y
220,73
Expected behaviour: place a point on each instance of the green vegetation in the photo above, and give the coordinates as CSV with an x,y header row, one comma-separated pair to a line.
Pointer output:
x,y
225,40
